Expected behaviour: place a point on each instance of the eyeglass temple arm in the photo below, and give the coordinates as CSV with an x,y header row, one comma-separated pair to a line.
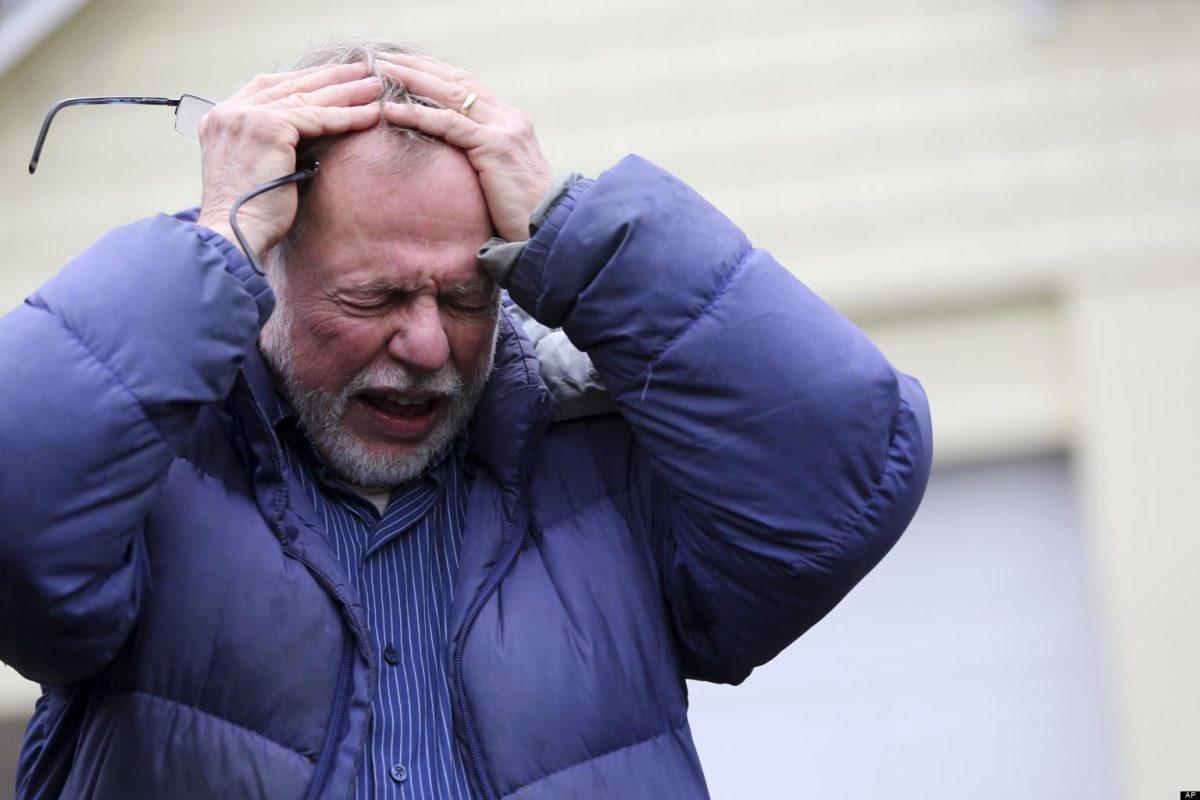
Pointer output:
x,y
308,173
89,101
305,174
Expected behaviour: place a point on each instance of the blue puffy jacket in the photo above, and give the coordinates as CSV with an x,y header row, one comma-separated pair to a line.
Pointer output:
x,y
196,635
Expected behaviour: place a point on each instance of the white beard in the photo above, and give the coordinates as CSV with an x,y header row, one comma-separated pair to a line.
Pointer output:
x,y
321,411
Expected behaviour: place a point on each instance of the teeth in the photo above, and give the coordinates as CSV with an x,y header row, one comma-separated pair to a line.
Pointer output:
x,y
400,400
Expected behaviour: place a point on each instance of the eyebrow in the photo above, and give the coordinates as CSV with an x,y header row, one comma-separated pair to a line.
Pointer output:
x,y
374,287
388,287
472,288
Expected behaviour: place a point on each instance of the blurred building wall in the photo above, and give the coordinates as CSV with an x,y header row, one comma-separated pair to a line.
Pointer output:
x,y
963,666
1003,193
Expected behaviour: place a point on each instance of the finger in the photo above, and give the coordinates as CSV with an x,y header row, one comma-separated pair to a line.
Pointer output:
x,y
313,121
353,93
451,95
326,75
427,63
439,69
260,82
444,72
443,123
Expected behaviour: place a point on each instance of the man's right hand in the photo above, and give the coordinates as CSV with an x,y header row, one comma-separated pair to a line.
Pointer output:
x,y
251,138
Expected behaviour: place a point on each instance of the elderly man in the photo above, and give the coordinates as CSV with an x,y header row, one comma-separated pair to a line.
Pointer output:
x,y
422,541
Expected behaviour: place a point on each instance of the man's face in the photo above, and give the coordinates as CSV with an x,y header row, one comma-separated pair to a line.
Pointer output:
x,y
387,328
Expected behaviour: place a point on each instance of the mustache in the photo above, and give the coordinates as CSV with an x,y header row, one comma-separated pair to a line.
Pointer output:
x,y
446,381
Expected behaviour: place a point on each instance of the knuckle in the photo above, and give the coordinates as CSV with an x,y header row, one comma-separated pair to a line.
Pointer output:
x,y
234,121
218,117
458,93
523,125
515,131
508,147
259,81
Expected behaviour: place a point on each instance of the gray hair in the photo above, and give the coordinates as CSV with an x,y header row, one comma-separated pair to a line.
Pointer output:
x,y
413,146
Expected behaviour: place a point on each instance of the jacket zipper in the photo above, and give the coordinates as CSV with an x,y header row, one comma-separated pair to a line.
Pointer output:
x,y
510,558
346,670
513,547
333,734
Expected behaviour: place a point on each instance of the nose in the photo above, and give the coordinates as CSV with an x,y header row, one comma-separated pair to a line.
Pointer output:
x,y
419,341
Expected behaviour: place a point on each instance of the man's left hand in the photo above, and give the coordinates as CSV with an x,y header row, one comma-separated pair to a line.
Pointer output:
x,y
497,139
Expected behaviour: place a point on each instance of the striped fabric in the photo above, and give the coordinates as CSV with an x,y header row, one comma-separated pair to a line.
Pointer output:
x,y
402,563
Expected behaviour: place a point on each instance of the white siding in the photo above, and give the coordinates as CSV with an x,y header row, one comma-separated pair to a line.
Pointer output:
x,y
1005,193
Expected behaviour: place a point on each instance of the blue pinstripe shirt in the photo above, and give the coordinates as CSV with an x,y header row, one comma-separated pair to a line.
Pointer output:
x,y
402,562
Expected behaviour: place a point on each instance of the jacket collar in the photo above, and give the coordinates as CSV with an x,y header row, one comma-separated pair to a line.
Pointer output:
x,y
515,407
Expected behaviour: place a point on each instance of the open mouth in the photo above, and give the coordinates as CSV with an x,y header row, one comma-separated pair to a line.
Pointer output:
x,y
396,417
399,405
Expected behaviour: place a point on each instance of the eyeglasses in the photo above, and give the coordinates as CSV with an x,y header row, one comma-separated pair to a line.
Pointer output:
x,y
189,109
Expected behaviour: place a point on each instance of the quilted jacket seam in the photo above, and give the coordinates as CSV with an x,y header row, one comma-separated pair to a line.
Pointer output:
x,y
574,764
545,526
702,312
40,304
854,523
172,701
520,347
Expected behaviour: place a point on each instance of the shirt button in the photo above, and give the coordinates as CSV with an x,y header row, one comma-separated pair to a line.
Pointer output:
x,y
399,773
391,656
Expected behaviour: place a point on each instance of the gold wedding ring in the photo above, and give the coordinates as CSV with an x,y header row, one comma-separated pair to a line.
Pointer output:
x,y
466,106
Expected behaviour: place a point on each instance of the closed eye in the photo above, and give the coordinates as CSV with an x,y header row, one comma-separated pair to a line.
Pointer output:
x,y
469,306
365,305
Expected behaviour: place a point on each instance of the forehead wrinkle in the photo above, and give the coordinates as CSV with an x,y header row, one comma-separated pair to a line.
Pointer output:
x,y
424,237
361,180
411,260
429,215
399,228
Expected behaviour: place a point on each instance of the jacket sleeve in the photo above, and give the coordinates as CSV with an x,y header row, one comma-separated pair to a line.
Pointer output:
x,y
102,374
779,455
